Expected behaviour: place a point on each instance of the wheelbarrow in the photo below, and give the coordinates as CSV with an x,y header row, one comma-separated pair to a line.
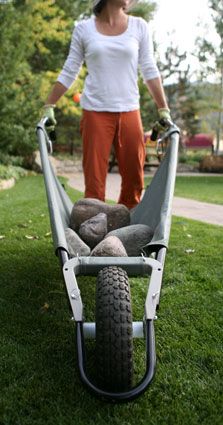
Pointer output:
x,y
114,328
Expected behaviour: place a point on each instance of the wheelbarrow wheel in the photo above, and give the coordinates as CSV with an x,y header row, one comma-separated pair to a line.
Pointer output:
x,y
114,339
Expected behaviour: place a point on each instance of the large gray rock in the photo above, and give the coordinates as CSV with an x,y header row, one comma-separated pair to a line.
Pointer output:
x,y
92,231
211,164
118,215
75,245
133,237
109,247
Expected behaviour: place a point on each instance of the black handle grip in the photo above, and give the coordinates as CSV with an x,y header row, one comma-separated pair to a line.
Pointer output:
x,y
53,136
51,133
154,135
165,123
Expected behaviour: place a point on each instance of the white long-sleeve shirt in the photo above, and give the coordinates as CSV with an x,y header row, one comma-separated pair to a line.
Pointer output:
x,y
112,65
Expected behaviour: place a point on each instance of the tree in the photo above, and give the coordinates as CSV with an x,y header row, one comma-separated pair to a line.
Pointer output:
x,y
211,57
183,97
188,100
34,37
17,84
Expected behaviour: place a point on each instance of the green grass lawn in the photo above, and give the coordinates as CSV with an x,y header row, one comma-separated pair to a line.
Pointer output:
x,y
40,383
201,188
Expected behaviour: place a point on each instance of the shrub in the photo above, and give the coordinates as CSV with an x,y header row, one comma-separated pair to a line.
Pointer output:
x,y
7,172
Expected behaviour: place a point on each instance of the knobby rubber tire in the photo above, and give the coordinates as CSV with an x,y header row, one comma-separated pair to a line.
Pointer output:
x,y
114,339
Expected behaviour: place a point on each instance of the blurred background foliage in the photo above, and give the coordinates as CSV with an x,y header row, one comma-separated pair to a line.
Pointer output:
x,y
34,42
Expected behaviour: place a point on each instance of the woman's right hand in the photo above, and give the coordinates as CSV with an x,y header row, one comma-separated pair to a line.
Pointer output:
x,y
49,113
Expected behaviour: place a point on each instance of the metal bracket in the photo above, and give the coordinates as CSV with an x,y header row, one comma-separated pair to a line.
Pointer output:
x,y
165,136
92,265
73,291
42,126
153,294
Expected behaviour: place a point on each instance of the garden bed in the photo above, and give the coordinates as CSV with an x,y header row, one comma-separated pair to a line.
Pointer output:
x,y
9,174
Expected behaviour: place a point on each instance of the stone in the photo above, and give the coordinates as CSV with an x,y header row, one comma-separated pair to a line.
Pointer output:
x,y
211,164
75,245
133,237
109,247
93,230
7,184
117,215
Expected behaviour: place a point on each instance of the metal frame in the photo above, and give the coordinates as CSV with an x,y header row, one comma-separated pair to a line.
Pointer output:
x,y
139,266
59,208
134,266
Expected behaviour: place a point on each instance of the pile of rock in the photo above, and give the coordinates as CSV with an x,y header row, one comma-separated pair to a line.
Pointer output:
x,y
99,229
211,164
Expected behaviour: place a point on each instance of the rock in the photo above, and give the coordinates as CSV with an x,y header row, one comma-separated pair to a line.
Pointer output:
x,y
133,237
109,247
117,215
75,245
92,231
211,164
32,162
7,184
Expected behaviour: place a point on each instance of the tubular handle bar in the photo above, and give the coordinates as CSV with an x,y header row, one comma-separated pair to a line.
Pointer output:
x,y
133,392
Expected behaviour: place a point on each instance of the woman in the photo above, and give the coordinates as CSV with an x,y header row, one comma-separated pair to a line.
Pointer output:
x,y
113,44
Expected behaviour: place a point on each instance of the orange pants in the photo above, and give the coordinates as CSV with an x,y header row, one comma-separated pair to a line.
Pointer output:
x,y
101,130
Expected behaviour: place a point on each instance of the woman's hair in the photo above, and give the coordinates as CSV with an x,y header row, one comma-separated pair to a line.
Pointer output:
x,y
97,9
101,4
